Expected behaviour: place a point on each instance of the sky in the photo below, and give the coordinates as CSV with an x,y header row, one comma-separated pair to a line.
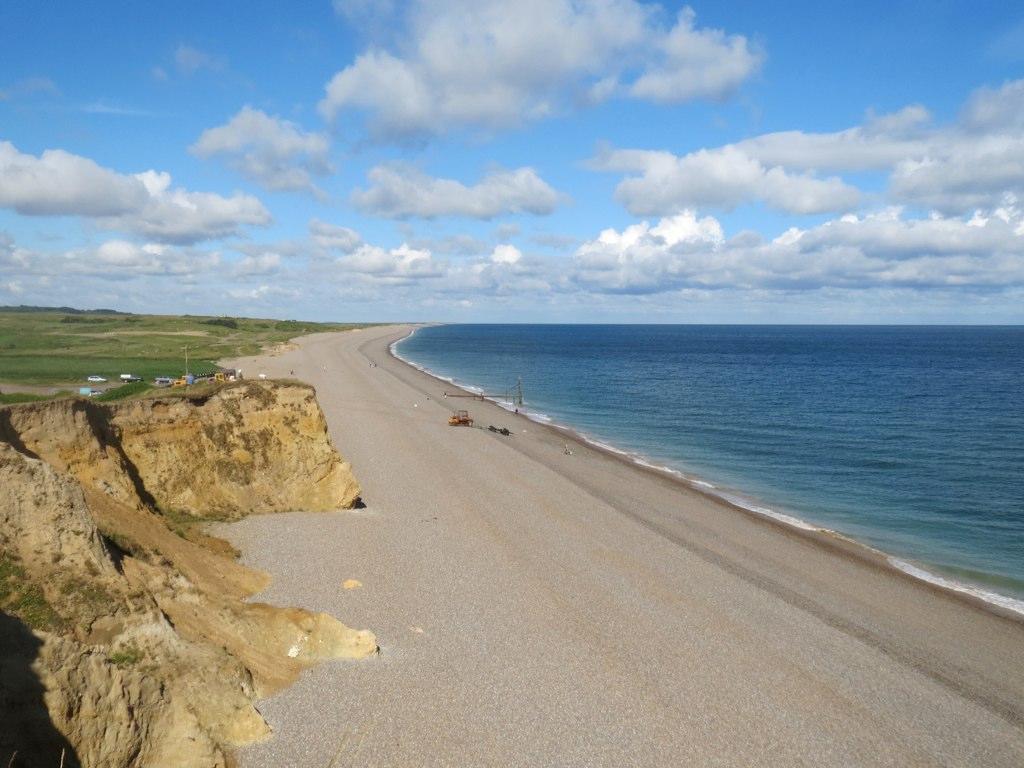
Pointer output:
x,y
536,161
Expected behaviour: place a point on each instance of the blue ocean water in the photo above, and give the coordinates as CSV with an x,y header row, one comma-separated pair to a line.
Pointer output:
x,y
909,439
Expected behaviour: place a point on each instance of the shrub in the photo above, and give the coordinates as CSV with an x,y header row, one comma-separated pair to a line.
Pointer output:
x,y
224,322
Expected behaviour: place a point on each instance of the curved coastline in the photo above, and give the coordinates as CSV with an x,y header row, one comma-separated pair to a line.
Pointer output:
x,y
973,594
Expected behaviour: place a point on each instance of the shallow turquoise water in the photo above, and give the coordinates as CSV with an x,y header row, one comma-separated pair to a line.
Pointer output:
x,y
910,439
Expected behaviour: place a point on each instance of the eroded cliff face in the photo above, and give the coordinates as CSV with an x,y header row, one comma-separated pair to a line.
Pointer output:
x,y
141,650
249,448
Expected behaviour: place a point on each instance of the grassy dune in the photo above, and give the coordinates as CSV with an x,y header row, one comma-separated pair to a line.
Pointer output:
x,y
60,348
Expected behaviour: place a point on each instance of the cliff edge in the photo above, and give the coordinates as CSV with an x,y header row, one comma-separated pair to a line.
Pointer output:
x,y
124,638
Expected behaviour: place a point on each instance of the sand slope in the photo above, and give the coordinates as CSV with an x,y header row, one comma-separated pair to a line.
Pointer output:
x,y
540,609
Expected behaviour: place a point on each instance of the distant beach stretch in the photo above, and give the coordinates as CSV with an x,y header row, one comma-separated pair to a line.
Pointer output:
x,y
541,600
907,439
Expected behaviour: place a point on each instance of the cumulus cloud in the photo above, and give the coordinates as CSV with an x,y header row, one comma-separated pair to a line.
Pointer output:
x,y
490,64
879,144
644,258
974,162
506,254
333,236
395,265
265,263
692,63
722,178
400,192
275,153
60,183
112,260
884,249
996,108
121,259
176,215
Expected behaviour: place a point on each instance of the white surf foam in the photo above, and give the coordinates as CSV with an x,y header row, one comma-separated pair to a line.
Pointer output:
x,y
758,509
1003,601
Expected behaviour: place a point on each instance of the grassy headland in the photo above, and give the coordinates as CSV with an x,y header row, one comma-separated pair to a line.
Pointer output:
x,y
60,347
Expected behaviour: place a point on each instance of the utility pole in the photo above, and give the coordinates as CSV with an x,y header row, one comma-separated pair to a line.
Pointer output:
x,y
186,359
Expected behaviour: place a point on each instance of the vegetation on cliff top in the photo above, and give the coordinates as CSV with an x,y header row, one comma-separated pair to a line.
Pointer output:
x,y
60,347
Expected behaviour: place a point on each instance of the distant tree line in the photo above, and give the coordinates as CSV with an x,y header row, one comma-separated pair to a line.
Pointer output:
x,y
65,310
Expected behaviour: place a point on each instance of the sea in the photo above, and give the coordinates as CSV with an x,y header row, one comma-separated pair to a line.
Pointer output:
x,y
907,439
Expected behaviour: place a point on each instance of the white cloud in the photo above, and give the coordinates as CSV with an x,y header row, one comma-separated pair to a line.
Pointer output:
x,y
506,254
103,107
877,145
642,258
112,260
490,64
399,264
400,192
257,264
696,63
176,215
996,109
721,178
959,175
974,162
60,183
333,236
273,152
882,250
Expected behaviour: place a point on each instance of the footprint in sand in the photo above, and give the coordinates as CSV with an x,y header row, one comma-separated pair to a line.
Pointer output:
x,y
351,584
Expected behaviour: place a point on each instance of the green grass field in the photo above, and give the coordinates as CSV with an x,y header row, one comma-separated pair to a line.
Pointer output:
x,y
61,348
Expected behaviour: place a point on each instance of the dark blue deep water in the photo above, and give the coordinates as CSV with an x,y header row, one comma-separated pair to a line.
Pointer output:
x,y
910,439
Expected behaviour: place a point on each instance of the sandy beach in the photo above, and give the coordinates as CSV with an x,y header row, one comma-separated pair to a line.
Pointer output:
x,y
535,608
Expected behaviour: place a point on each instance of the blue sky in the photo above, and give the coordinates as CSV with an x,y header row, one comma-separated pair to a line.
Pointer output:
x,y
612,161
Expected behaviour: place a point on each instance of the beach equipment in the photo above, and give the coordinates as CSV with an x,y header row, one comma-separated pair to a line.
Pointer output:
x,y
460,419
512,395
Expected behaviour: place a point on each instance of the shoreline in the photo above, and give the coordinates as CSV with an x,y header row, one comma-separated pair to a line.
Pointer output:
x,y
538,608
976,595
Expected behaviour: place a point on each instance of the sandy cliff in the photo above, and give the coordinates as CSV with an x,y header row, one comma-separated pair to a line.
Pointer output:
x,y
250,448
141,650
